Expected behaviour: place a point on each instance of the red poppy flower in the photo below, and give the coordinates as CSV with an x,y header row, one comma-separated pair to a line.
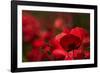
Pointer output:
x,y
47,35
70,42
74,39
55,41
83,35
30,27
73,42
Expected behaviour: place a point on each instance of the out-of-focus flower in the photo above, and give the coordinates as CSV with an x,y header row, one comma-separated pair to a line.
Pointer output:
x,y
86,42
63,20
80,32
30,27
46,35
38,43
55,42
72,42
74,39
83,35
87,54
59,23
47,48
59,54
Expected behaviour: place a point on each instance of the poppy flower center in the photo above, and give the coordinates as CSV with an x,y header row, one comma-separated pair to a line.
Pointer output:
x,y
72,45
70,42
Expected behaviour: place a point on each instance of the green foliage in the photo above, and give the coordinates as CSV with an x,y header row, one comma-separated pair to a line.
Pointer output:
x,y
82,20
26,49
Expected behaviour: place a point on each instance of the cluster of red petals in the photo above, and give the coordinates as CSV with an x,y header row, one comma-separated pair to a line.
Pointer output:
x,y
30,27
74,44
70,44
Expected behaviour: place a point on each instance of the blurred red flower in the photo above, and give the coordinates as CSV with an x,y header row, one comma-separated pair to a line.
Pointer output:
x,y
63,20
38,43
73,42
59,54
87,54
30,27
70,42
75,39
47,35
59,23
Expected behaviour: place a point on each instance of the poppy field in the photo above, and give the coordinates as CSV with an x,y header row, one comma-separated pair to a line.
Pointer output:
x,y
55,36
